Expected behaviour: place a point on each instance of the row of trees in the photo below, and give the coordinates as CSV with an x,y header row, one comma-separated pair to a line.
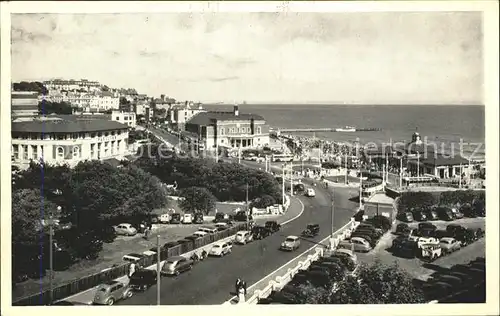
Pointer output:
x,y
30,86
225,181
372,284
409,200
48,107
92,197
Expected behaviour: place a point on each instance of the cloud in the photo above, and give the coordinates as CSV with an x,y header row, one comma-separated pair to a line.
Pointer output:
x,y
20,35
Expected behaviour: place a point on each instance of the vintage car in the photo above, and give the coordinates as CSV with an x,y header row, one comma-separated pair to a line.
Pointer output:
x,y
176,265
110,292
312,230
291,243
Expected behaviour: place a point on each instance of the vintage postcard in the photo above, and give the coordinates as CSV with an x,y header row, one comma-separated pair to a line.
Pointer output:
x,y
329,155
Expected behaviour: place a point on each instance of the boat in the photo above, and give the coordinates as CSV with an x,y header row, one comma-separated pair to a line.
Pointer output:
x,y
346,129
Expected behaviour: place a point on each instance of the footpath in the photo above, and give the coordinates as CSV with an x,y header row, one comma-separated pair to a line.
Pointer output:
x,y
294,211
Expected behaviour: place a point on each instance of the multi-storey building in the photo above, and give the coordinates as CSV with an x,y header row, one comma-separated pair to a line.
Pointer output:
x,y
229,129
69,85
127,118
67,140
24,103
179,114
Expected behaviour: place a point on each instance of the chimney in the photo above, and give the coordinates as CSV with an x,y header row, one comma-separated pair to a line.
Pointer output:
x,y
236,111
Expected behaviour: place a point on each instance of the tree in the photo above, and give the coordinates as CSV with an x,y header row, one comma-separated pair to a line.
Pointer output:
x,y
409,200
263,201
124,101
47,107
197,199
351,291
30,86
459,197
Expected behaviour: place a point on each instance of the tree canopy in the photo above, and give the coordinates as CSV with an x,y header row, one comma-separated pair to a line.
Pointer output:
x,y
411,199
460,197
226,181
197,199
48,107
30,86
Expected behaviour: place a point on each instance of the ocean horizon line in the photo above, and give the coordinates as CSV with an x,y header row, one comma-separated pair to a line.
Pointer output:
x,y
336,104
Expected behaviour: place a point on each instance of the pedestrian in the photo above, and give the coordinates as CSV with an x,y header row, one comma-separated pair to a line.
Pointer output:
x,y
237,286
244,286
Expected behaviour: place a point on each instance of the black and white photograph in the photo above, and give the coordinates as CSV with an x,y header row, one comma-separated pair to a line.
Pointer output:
x,y
266,153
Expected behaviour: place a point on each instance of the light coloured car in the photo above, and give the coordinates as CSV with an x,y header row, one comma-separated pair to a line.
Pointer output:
x,y
357,244
176,265
110,292
449,244
426,241
187,219
221,226
133,257
164,218
220,249
291,243
208,230
243,237
125,229
310,192
200,234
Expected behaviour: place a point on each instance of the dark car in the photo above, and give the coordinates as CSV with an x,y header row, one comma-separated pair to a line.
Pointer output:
x,y
440,233
402,229
445,213
273,226
107,234
143,279
432,215
260,232
372,241
405,217
175,218
426,225
170,244
299,188
455,230
312,230
467,236
468,210
219,217
419,216
376,233
241,216
198,218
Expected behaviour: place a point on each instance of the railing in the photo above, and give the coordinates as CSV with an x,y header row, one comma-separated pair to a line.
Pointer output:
x,y
93,280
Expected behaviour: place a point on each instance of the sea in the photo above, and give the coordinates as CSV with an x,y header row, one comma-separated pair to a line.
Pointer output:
x,y
448,126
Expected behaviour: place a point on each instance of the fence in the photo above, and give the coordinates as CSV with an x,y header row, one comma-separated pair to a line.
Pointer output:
x,y
91,281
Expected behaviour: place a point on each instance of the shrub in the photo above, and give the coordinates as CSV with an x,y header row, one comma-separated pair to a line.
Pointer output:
x,y
382,222
409,200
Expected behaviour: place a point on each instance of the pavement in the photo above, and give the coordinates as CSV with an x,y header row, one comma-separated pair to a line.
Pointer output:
x,y
212,281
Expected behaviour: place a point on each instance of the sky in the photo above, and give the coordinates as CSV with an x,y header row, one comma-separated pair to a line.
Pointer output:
x,y
336,57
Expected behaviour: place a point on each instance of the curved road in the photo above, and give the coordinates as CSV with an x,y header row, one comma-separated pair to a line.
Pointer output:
x,y
211,281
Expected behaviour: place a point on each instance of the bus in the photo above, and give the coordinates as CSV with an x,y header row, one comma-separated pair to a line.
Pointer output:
x,y
282,157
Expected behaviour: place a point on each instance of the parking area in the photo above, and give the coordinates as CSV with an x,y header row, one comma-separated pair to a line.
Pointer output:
x,y
418,268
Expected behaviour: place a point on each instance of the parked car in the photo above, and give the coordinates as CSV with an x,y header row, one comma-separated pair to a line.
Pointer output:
x,y
427,241
468,210
440,233
221,226
125,229
220,249
198,234
457,214
143,279
312,230
371,240
346,252
374,234
208,230
426,225
310,192
449,244
176,265
356,244
273,226
402,229
419,216
430,252
110,292
299,188
243,237
170,244
432,215
467,236
187,218
291,243
222,217
198,218
405,217
133,257
454,229
164,218
445,213
175,218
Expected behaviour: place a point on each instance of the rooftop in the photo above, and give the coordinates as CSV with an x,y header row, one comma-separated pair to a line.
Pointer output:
x,y
440,160
66,124
204,118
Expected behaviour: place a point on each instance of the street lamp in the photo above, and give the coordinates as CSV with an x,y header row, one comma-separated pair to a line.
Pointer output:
x,y
51,222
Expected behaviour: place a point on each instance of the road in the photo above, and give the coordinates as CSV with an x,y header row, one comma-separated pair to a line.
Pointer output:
x,y
211,281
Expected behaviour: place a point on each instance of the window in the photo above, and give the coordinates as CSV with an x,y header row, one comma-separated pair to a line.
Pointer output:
x,y
60,153
92,149
92,135
60,136
35,151
76,152
222,131
74,135
25,152
259,130
117,118
15,151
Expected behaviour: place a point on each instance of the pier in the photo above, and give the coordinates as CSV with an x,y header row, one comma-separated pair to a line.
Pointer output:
x,y
326,129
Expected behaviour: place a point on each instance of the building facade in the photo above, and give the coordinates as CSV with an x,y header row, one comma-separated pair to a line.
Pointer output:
x,y
126,118
179,114
24,103
229,129
68,85
68,140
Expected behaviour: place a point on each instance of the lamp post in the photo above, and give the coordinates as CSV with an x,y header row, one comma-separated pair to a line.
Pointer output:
x,y
51,223
331,217
291,178
345,178
158,272
283,184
